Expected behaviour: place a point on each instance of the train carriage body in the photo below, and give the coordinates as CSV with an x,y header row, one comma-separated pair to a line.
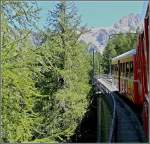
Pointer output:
x,y
123,67
130,72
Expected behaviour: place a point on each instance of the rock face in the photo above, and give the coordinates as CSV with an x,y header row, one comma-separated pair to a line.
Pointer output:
x,y
97,38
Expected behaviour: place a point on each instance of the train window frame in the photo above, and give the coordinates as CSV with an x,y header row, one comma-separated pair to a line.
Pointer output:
x,y
127,69
123,69
131,69
116,69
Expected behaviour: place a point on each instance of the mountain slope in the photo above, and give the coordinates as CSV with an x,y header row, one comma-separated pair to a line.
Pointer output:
x,y
97,38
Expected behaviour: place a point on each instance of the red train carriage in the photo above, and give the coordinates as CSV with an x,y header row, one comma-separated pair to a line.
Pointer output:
x,y
123,73
131,72
145,68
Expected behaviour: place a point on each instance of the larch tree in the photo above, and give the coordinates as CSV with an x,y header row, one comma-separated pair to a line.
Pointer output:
x,y
18,90
66,87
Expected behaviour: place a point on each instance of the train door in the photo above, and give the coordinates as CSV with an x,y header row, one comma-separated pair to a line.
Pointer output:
x,y
135,82
116,76
127,78
123,78
130,87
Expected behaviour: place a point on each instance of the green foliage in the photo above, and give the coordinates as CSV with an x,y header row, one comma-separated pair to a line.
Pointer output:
x,y
98,63
18,90
66,85
119,44
45,88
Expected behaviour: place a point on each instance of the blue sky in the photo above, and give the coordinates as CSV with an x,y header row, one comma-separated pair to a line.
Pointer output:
x,y
97,13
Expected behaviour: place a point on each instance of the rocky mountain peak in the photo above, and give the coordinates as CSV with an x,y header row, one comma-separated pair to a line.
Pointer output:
x,y
97,38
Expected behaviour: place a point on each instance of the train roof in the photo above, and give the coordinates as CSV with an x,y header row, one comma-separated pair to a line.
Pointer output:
x,y
124,55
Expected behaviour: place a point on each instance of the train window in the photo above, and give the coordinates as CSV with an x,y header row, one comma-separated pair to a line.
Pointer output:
x,y
115,69
131,69
124,66
127,69
123,69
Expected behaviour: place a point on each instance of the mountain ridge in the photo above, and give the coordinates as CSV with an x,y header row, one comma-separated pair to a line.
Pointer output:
x,y
97,38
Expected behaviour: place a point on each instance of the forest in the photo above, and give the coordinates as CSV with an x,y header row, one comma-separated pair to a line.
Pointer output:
x,y
46,75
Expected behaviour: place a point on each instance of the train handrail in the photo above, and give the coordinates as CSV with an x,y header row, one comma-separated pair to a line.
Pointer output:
x,y
113,120
105,89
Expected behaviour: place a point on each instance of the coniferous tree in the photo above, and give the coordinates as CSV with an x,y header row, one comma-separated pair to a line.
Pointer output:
x,y
17,62
46,86
67,83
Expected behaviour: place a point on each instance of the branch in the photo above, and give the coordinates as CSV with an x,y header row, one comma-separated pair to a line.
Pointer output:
x,y
17,40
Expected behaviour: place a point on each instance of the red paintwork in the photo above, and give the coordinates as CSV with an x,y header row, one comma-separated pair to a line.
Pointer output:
x,y
146,76
141,67
135,86
141,74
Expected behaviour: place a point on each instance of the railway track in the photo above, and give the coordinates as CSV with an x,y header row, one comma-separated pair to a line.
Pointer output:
x,y
125,126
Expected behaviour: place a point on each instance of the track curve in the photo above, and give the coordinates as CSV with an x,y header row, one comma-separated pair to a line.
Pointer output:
x,y
128,127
